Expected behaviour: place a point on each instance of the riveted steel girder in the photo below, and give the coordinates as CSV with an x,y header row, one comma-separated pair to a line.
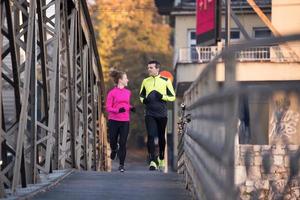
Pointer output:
x,y
51,91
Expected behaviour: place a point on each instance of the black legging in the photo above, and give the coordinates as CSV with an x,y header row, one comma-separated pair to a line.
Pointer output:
x,y
156,126
118,129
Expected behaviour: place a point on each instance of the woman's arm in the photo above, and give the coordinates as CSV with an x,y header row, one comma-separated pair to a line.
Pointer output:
x,y
109,103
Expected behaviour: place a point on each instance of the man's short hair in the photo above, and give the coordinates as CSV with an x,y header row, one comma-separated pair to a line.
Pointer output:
x,y
157,64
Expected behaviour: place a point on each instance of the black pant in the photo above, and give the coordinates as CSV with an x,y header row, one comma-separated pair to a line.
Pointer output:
x,y
118,131
156,126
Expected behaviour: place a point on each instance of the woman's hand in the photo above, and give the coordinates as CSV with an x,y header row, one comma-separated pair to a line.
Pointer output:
x,y
121,110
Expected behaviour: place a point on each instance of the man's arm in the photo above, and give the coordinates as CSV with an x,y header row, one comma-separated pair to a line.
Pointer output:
x,y
142,92
170,92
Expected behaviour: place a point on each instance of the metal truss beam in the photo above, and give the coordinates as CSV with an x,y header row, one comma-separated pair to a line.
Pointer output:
x,y
50,114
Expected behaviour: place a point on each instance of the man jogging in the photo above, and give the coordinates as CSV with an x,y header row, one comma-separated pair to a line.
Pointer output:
x,y
155,92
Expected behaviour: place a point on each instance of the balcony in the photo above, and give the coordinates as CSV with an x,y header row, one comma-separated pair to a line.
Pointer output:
x,y
263,63
196,54
258,54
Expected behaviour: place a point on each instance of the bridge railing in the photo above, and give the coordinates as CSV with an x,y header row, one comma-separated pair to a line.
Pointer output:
x,y
240,135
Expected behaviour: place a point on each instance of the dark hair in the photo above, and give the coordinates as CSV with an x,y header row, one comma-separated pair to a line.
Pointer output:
x,y
116,75
157,64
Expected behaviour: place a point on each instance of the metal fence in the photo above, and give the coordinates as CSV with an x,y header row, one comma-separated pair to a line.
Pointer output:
x,y
51,68
196,54
199,54
242,140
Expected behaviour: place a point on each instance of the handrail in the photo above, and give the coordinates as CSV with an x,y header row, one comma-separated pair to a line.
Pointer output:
x,y
208,145
199,54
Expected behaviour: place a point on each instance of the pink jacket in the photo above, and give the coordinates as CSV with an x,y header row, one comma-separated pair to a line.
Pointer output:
x,y
116,99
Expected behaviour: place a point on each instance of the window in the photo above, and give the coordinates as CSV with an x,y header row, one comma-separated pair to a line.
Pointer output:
x,y
192,45
261,32
191,37
234,34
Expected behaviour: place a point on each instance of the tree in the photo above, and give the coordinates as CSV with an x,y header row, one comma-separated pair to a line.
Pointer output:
x,y
130,33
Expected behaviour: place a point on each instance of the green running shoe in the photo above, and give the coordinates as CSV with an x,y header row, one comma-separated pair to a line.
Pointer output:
x,y
152,166
161,163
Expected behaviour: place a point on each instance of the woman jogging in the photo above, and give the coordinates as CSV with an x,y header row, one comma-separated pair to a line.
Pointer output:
x,y
118,108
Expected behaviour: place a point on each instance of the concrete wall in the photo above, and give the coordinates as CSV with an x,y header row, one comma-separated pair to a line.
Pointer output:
x,y
286,16
289,10
262,71
188,72
183,23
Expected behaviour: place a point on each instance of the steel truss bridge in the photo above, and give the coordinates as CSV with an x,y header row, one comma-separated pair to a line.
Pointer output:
x,y
52,91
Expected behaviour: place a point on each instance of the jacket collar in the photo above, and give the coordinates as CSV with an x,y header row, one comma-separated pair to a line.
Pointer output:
x,y
155,76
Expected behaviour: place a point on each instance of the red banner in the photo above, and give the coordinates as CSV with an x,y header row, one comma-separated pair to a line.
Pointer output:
x,y
206,21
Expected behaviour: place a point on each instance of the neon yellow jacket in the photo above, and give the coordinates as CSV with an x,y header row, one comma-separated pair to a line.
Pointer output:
x,y
151,88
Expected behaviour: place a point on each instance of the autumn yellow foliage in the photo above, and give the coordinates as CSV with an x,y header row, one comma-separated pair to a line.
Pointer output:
x,y
129,34
124,27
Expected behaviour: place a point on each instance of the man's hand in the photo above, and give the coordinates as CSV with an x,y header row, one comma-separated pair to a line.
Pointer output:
x,y
121,110
146,101
158,95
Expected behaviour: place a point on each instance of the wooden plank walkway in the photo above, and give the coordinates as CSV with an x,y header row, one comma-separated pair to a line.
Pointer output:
x,y
131,185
